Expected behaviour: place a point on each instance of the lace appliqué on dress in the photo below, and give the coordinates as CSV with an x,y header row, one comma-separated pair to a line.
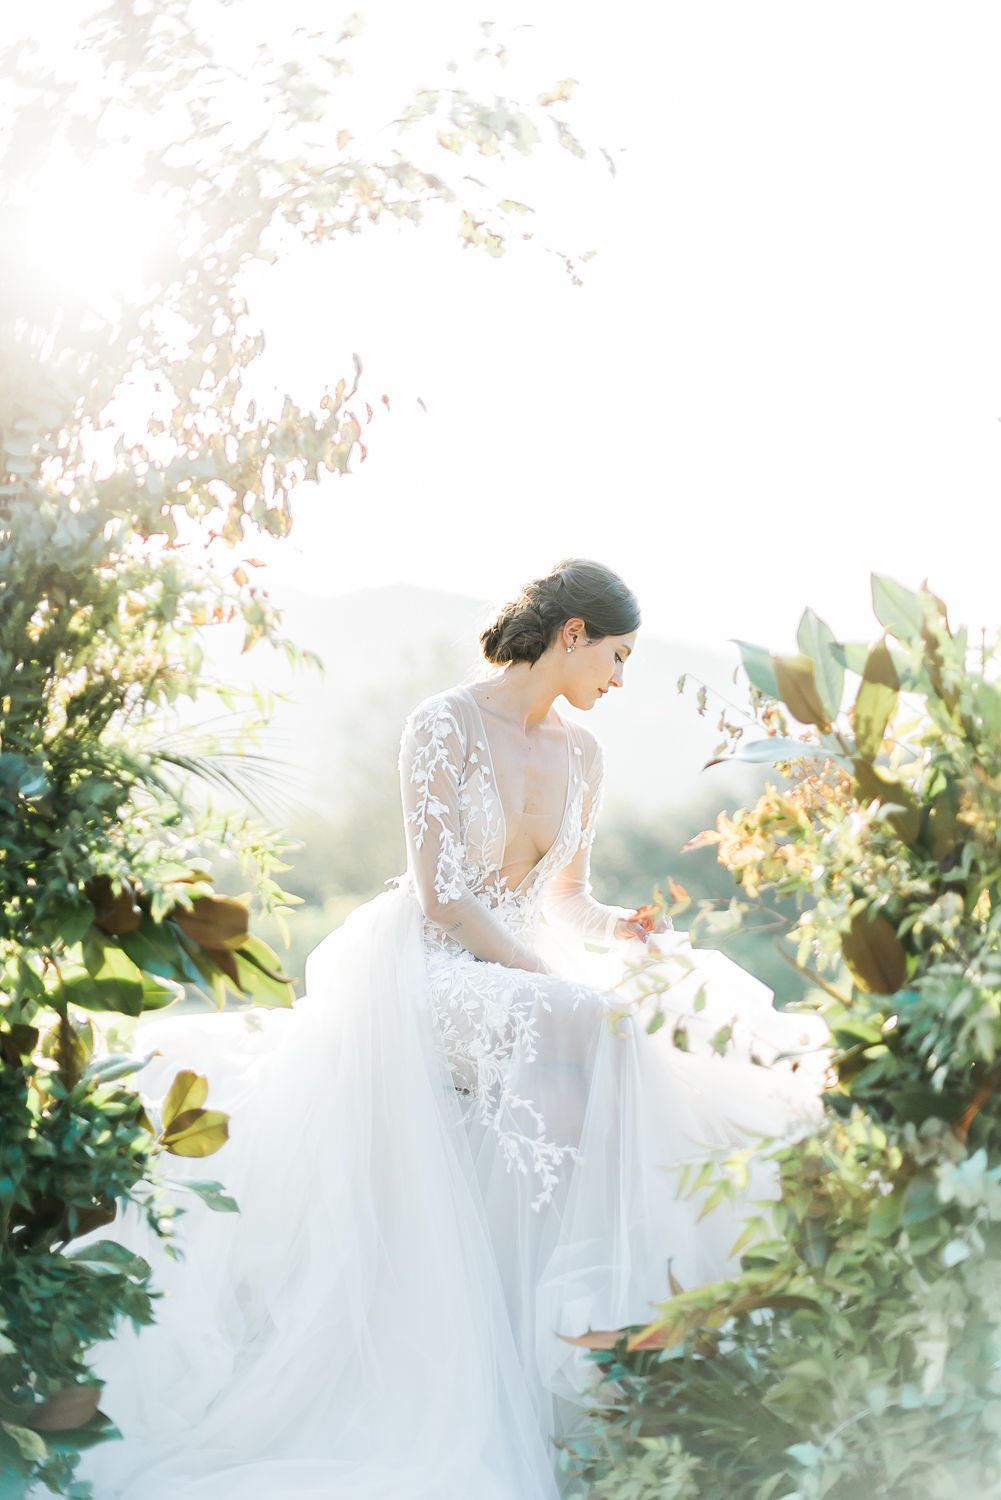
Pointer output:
x,y
486,1013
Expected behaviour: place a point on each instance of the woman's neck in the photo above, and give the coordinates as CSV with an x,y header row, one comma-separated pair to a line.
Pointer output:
x,y
522,693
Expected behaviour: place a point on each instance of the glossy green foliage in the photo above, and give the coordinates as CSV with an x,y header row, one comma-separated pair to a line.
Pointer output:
x,y
858,1351
137,467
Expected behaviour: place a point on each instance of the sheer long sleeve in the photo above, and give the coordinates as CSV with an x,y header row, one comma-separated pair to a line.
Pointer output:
x,y
569,903
432,755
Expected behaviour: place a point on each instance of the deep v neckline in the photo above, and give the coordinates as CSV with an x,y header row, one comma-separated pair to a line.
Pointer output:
x,y
568,797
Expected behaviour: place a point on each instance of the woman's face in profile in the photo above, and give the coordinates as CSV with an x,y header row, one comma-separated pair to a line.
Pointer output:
x,y
595,667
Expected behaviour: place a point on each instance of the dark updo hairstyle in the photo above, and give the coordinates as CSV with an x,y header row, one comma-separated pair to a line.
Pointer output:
x,y
574,590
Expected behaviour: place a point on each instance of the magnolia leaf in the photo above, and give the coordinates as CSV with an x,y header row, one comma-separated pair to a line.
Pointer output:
x,y
852,654
108,1069
213,921
942,821
188,1091
759,666
874,954
816,640
115,985
156,948
72,1406
880,668
224,960
896,608
197,1132
158,995
109,1258
798,690
767,752
259,976
113,912
877,698
903,807
29,1444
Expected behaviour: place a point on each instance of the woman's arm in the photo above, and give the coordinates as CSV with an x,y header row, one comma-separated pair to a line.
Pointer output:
x,y
432,755
568,902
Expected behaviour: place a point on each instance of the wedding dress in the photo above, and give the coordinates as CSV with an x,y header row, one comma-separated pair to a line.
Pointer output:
x,y
443,1162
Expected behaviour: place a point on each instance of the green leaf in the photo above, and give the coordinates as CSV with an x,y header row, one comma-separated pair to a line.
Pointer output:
x,y
159,996
896,608
156,948
262,984
116,984
885,1214
109,1069
921,1200
29,1444
852,654
68,920
15,1475
109,1258
211,1194
775,748
758,665
816,640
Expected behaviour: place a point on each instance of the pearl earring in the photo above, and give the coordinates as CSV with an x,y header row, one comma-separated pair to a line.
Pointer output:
x,y
570,648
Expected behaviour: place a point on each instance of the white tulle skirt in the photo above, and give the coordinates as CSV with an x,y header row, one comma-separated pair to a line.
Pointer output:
x,y
381,1320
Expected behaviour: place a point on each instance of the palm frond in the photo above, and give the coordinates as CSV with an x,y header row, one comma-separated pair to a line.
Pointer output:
x,y
265,783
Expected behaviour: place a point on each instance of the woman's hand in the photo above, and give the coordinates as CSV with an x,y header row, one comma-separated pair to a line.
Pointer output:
x,y
643,922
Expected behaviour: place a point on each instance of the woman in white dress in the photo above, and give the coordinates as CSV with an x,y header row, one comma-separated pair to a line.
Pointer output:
x,y
456,1147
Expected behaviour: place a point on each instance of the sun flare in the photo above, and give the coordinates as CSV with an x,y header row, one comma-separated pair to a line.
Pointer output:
x,y
82,232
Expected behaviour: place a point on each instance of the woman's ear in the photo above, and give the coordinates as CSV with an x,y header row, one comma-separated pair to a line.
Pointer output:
x,y
573,633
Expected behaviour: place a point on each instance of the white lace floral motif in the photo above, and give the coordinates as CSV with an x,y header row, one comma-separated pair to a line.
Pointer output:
x,y
486,1012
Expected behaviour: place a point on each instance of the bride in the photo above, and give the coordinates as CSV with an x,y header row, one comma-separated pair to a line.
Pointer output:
x,y
457,1147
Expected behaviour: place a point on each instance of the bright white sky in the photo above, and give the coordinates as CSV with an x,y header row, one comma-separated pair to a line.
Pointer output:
x,y
783,369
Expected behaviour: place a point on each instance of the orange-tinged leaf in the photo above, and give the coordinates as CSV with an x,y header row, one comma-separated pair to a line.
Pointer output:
x,y
113,913
701,840
598,1339
224,960
798,690
213,921
67,1408
343,137
877,698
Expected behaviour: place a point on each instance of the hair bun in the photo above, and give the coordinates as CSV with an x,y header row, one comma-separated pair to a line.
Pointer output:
x,y
517,634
